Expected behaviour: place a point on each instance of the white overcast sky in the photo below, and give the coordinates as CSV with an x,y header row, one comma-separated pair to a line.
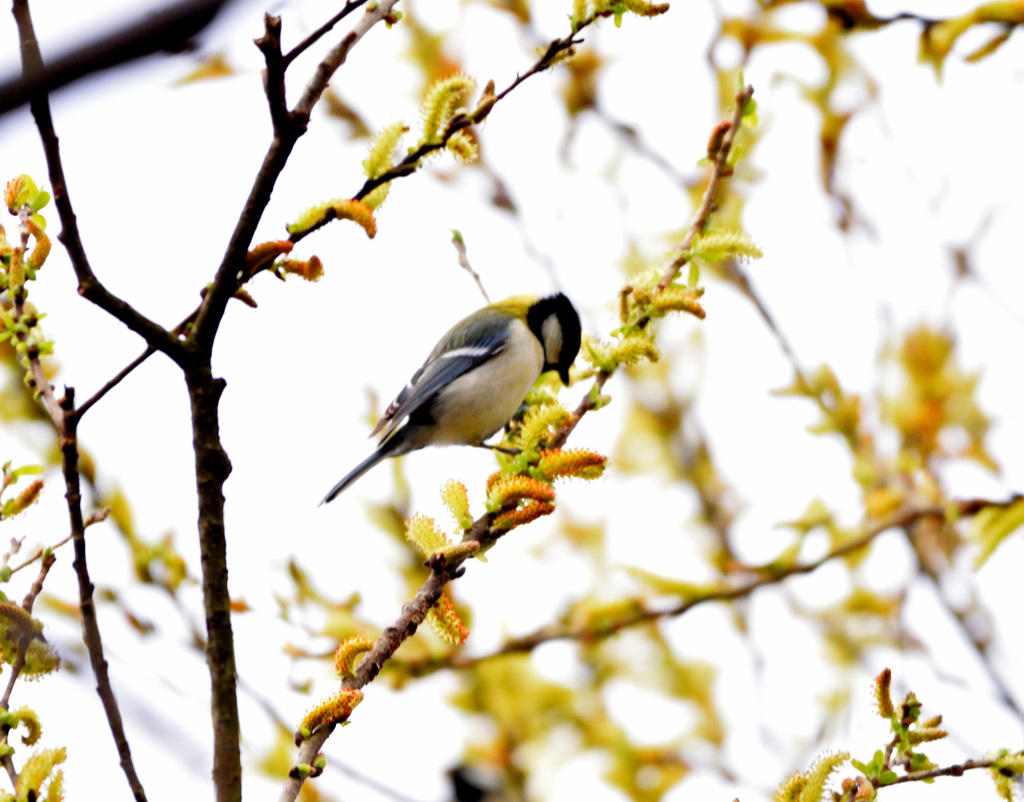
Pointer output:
x,y
158,173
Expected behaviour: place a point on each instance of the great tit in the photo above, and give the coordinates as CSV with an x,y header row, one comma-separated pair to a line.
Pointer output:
x,y
476,377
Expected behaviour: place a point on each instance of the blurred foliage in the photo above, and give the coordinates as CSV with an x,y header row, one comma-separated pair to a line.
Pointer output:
x,y
898,443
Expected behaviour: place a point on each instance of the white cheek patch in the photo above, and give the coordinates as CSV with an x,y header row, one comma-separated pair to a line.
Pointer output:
x,y
551,333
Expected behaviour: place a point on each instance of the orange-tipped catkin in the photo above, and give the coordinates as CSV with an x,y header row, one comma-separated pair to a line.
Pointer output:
x,y
359,213
575,462
531,511
446,622
883,699
332,710
265,253
311,269
513,488
348,651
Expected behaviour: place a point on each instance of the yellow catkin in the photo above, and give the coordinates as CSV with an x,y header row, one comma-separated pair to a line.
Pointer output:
x,y
348,651
332,710
519,487
446,624
531,511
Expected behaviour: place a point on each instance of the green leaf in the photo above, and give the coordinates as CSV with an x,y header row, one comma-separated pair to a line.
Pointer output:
x,y
39,201
693,279
887,777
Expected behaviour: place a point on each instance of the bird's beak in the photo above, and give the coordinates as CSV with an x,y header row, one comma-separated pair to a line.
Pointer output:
x,y
563,374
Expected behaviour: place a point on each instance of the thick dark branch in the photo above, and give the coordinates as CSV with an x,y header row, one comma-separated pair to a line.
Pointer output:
x,y
169,29
273,76
212,469
61,411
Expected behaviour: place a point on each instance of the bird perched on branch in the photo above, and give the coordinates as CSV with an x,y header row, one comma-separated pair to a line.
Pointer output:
x,y
476,377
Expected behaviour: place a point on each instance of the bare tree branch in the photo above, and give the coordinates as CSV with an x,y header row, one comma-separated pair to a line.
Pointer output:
x,y
89,285
726,591
719,150
464,263
415,611
67,431
169,29
319,33
289,126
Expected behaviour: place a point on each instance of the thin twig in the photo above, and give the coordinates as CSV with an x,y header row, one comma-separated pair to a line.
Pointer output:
x,y
964,615
460,249
736,274
413,160
49,558
930,570
720,147
955,770
442,571
720,170
110,385
725,592
94,518
301,47
125,371
19,664
66,427
65,424
225,283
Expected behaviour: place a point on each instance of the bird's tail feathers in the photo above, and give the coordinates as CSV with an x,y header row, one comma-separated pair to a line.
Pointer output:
x,y
389,448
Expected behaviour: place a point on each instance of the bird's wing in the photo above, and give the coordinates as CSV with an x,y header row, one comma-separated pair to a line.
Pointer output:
x,y
451,359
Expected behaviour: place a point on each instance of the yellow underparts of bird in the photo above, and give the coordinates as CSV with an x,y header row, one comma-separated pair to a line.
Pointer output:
x,y
476,377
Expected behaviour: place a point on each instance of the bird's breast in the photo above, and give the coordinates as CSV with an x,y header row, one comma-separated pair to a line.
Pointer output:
x,y
478,403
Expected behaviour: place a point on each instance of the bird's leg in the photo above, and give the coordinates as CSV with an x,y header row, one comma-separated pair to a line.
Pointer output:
x,y
512,452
